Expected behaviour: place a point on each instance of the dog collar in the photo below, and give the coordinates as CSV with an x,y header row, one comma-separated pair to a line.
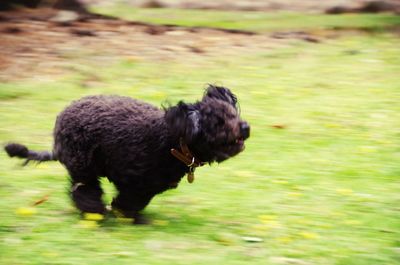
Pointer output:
x,y
187,158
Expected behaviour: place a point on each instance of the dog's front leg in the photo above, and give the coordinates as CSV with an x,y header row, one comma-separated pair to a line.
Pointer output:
x,y
130,203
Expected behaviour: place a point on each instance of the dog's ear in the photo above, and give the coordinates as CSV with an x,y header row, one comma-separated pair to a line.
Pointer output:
x,y
183,120
221,93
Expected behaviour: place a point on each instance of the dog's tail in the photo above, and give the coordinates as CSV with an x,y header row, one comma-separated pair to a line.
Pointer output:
x,y
21,151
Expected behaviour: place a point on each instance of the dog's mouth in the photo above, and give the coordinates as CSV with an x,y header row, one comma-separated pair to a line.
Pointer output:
x,y
237,144
229,149
240,142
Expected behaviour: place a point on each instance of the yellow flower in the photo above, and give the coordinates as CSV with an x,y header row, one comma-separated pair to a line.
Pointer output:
x,y
346,192
295,194
88,224
332,125
243,173
279,181
93,216
309,235
161,222
284,239
42,166
267,217
26,211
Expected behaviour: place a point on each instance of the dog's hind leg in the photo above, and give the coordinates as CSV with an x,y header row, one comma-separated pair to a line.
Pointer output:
x,y
87,196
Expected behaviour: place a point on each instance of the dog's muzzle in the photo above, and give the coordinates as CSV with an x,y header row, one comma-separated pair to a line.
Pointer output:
x,y
244,130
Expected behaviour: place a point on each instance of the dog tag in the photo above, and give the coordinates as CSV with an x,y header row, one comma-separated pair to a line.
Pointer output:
x,y
190,177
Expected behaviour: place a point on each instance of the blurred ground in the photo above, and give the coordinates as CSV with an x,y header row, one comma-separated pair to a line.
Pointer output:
x,y
253,5
55,35
52,41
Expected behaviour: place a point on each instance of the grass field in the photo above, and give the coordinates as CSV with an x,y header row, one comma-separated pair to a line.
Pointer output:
x,y
323,189
252,21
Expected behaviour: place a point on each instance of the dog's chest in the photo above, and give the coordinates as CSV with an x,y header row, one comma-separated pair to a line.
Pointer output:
x,y
171,173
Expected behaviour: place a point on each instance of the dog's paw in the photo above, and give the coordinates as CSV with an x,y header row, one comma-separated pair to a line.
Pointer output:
x,y
137,218
140,219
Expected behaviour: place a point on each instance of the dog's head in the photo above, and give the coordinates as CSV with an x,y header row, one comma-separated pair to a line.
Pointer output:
x,y
211,127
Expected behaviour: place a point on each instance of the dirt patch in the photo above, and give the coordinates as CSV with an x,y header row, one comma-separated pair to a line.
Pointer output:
x,y
46,42
41,42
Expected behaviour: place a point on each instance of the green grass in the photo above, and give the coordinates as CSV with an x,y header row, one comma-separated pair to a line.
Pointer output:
x,y
323,190
252,21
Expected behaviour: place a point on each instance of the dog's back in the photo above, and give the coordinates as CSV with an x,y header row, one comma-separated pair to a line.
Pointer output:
x,y
98,126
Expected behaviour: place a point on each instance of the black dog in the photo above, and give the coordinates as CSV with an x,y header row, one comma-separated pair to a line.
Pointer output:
x,y
142,149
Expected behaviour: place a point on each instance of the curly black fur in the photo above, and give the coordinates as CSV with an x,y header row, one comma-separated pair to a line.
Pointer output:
x,y
129,142
17,150
21,151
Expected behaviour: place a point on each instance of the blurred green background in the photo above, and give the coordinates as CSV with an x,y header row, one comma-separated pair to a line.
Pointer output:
x,y
318,182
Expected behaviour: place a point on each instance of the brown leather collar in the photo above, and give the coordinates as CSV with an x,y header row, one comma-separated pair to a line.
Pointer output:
x,y
187,158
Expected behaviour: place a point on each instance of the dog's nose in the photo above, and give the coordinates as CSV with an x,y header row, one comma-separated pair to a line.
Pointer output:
x,y
244,130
